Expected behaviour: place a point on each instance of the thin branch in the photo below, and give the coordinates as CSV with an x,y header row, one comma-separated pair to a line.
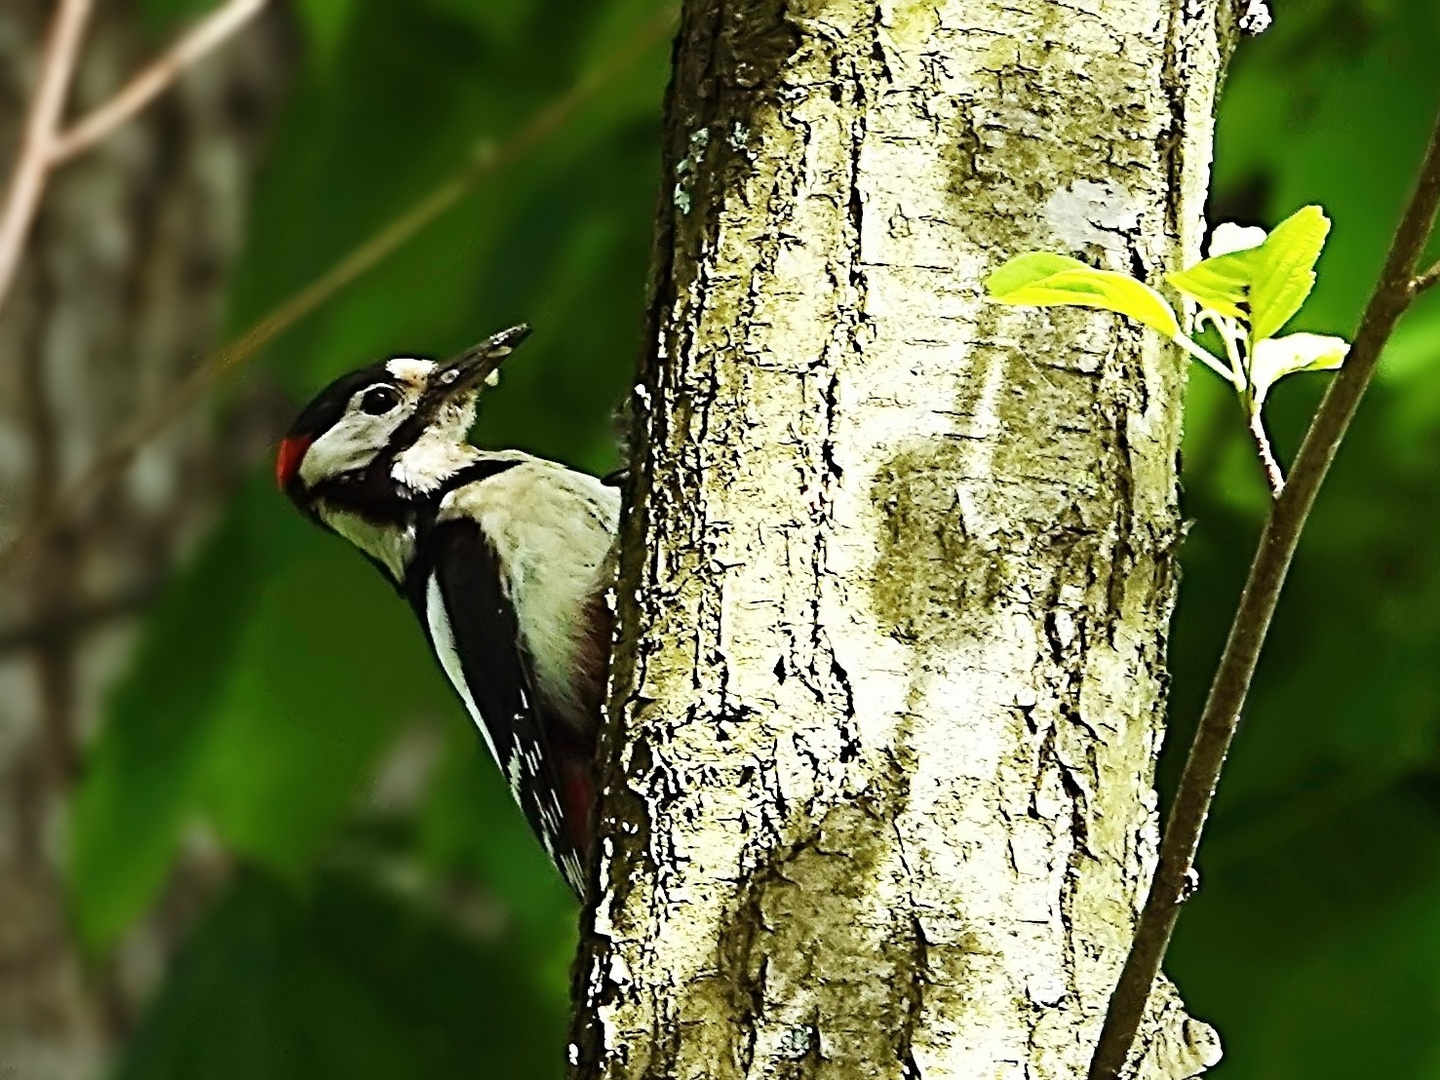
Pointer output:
x,y
216,28
1426,280
43,145
33,156
1274,475
1221,716
112,462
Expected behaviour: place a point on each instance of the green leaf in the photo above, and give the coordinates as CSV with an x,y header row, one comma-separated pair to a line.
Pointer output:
x,y
272,677
1042,279
325,22
1310,976
1220,283
344,980
330,667
139,784
470,828
1284,270
504,23
1028,269
1274,358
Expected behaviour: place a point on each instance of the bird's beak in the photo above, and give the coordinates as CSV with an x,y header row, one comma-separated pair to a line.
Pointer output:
x,y
455,377
477,364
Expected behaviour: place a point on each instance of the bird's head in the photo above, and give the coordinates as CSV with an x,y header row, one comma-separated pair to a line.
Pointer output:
x,y
376,438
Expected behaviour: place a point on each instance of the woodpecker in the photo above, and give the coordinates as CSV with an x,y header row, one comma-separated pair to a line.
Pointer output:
x,y
503,556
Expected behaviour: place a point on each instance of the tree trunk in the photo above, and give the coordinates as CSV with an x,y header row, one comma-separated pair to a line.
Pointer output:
x,y
888,688
120,292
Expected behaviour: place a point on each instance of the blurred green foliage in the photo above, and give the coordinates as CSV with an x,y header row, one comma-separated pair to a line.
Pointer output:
x,y
366,935
423,935
1314,941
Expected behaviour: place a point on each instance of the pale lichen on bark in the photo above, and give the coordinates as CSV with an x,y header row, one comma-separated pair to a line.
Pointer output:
x,y
890,675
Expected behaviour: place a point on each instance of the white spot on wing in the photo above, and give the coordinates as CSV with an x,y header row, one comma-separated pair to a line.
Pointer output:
x,y
512,775
571,868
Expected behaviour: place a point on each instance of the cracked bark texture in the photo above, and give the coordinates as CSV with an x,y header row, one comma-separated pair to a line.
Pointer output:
x,y
120,292
888,684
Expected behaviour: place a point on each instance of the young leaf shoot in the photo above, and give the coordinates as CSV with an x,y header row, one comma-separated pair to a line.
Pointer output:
x,y
1249,287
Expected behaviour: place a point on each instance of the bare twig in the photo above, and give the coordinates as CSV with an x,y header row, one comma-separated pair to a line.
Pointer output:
x,y
34,156
1221,716
44,145
111,463
1426,280
216,28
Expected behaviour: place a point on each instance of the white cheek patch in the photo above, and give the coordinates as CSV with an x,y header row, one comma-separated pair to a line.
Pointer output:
x,y
351,444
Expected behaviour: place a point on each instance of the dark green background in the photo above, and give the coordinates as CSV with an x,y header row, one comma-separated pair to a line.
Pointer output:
x,y
424,936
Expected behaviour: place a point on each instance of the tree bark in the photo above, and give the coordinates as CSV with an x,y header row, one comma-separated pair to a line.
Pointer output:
x,y
889,680
120,291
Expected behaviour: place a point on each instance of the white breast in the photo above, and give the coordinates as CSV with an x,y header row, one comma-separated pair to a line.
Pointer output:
x,y
552,529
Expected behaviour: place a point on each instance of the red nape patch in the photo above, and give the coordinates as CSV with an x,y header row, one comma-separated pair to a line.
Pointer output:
x,y
287,460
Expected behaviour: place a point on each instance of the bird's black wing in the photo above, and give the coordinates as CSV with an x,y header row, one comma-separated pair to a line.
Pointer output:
x,y
472,628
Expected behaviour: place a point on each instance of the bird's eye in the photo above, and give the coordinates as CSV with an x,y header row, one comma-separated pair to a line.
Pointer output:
x,y
379,400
